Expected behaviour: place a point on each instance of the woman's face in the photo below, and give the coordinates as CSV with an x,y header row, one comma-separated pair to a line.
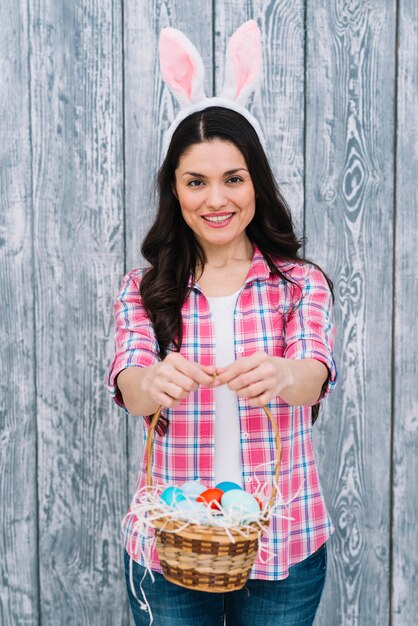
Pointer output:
x,y
215,192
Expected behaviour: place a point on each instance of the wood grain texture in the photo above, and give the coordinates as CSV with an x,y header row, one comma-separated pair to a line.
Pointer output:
x,y
82,116
76,70
405,458
18,511
278,101
146,119
349,210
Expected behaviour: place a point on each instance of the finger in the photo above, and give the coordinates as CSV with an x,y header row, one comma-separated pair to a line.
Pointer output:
x,y
195,371
166,401
261,400
236,369
253,390
246,379
176,377
202,375
209,369
173,391
243,364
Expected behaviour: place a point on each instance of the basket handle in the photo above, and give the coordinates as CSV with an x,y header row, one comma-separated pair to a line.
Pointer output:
x,y
277,441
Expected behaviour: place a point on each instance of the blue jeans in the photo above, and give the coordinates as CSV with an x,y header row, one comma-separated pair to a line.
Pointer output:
x,y
292,601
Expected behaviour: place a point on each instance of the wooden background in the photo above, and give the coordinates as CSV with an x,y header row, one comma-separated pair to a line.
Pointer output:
x,y
82,115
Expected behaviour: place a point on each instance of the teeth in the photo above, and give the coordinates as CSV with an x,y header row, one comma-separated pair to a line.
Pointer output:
x,y
218,219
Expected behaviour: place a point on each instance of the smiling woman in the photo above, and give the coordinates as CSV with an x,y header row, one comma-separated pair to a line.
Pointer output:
x,y
226,318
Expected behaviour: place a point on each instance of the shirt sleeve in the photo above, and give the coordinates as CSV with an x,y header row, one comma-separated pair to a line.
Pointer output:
x,y
310,332
135,340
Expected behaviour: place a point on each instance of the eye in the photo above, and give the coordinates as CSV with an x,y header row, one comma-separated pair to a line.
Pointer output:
x,y
194,183
235,180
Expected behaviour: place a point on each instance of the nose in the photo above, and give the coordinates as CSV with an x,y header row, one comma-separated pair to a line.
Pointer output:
x,y
216,197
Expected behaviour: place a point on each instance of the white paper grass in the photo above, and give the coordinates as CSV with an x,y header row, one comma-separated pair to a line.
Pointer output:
x,y
148,507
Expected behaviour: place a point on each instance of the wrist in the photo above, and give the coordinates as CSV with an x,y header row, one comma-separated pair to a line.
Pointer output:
x,y
287,378
149,404
303,381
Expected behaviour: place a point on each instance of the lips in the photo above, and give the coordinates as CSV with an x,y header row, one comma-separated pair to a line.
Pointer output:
x,y
217,218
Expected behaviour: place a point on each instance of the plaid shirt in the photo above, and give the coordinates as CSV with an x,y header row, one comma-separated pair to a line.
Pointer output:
x,y
265,319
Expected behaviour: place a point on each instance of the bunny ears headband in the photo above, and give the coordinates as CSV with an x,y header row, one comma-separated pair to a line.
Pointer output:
x,y
183,72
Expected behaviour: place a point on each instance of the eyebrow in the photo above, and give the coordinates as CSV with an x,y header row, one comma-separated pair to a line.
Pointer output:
x,y
227,173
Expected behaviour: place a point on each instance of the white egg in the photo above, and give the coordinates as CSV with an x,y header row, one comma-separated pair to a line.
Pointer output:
x,y
193,488
191,511
242,504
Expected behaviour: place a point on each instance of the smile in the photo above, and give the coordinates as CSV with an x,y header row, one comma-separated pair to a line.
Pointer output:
x,y
219,218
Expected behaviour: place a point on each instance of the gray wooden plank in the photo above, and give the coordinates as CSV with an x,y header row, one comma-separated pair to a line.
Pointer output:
x,y
278,101
149,108
349,210
405,496
18,515
76,69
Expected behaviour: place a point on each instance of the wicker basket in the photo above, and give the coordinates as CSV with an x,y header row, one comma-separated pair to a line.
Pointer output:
x,y
202,557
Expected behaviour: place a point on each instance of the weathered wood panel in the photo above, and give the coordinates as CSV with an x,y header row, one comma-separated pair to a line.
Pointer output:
x,y
278,101
405,449
62,121
18,511
149,109
349,208
76,70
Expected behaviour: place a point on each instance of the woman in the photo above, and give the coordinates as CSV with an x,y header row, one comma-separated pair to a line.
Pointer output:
x,y
227,318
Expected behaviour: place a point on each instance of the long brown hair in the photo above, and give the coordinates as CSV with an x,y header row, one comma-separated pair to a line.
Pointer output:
x,y
170,246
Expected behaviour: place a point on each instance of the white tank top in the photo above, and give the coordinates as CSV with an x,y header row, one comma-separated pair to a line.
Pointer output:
x,y
227,464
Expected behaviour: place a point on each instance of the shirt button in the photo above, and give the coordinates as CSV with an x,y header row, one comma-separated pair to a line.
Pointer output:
x,y
248,479
241,349
245,435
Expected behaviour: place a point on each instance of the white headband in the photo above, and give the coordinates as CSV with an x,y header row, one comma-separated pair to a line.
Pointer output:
x,y
183,72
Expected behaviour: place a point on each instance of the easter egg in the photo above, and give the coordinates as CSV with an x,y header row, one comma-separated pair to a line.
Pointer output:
x,y
191,511
192,488
172,495
241,503
211,497
227,485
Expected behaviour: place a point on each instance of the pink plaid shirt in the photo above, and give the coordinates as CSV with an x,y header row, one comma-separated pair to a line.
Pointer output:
x,y
265,320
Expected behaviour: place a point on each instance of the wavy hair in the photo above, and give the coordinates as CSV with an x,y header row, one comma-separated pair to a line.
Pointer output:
x,y
170,246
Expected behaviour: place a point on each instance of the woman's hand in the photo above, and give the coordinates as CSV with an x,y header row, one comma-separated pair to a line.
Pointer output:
x,y
261,377
174,378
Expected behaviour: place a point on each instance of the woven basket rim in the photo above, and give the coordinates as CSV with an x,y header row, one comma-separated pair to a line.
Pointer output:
x,y
170,524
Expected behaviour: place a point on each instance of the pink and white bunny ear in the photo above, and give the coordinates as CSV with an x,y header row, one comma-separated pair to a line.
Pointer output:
x,y
181,67
243,63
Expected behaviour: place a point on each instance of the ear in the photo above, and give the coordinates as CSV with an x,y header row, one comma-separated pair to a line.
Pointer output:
x,y
181,67
243,63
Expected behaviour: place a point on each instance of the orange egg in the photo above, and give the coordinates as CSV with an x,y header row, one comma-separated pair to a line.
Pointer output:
x,y
211,497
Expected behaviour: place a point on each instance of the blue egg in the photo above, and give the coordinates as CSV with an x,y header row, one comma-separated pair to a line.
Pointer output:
x,y
227,485
242,503
193,488
172,495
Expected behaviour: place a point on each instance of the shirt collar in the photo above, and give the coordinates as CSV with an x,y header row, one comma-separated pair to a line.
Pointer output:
x,y
259,269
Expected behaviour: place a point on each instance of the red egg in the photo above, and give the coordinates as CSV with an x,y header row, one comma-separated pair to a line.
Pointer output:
x,y
211,497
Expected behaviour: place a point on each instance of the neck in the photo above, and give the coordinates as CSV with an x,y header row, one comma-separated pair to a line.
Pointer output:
x,y
222,256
